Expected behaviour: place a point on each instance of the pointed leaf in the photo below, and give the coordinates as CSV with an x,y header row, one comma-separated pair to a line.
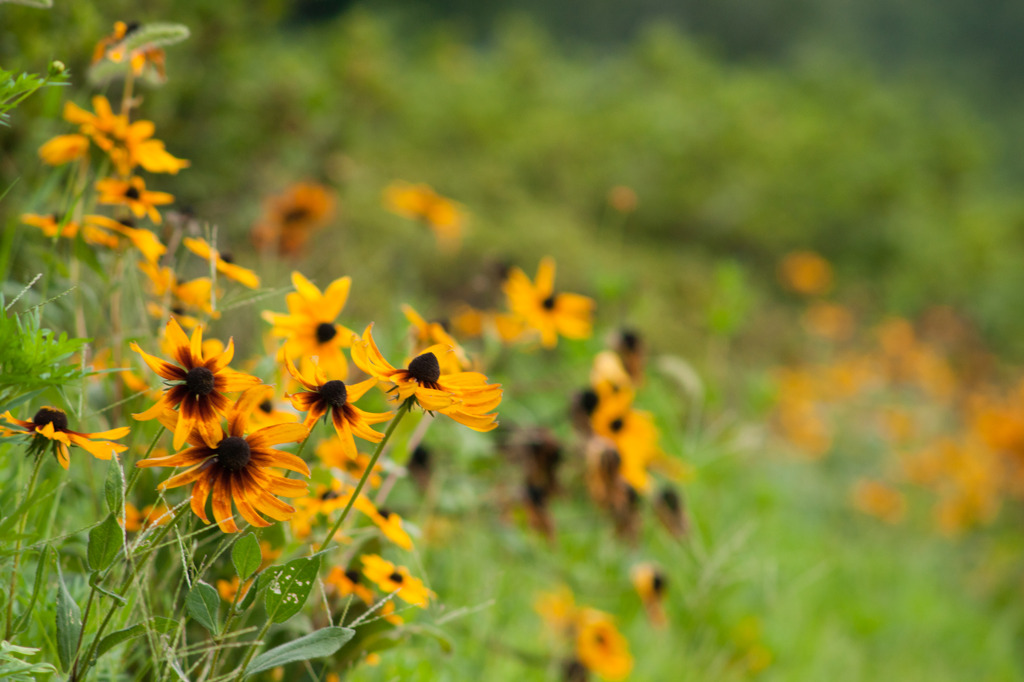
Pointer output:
x,y
246,556
158,623
113,488
314,645
41,567
105,541
69,623
203,603
288,587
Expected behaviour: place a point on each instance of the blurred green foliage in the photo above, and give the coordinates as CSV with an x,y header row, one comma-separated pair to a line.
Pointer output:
x,y
894,183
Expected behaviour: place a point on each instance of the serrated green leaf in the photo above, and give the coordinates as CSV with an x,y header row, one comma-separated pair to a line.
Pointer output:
x,y
314,645
203,604
158,623
155,35
69,623
246,556
288,587
113,487
105,541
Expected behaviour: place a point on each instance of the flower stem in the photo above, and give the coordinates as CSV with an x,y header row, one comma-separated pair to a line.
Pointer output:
x,y
402,411
17,547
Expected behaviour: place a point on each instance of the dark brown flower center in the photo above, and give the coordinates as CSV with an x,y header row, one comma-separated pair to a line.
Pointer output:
x,y
199,381
127,222
670,498
396,577
549,302
616,425
658,583
329,495
352,575
51,415
420,457
588,401
233,453
425,369
227,257
266,406
384,513
132,193
325,331
296,215
334,393
630,340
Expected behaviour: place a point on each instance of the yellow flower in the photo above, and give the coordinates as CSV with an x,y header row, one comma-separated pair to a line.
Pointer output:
x,y
334,454
237,467
650,583
138,148
112,47
391,578
49,429
806,273
389,522
182,297
243,276
150,515
145,241
227,589
100,126
557,609
133,194
199,384
64,148
267,412
426,334
337,398
309,327
349,582
600,647
290,218
466,397
631,431
419,202
543,310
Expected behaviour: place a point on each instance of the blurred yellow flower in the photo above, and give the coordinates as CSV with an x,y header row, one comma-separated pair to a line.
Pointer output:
x,y
420,202
133,194
543,310
806,273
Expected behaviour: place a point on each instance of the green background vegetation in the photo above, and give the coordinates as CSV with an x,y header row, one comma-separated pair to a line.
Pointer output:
x,y
830,132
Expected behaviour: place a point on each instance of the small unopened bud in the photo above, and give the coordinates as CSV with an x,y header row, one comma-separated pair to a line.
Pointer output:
x,y
56,68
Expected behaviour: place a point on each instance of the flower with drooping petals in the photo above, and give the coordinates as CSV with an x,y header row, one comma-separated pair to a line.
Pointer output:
x,y
49,429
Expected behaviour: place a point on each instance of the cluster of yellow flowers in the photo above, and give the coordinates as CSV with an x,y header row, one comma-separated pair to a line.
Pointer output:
x,y
921,392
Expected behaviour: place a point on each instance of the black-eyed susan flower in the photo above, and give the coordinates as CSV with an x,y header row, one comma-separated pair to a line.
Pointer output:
x,y
270,410
48,429
199,384
182,300
323,396
632,431
333,454
243,276
138,147
549,313
426,334
146,242
389,523
133,194
349,582
102,127
236,467
310,329
63,149
52,226
420,202
601,647
466,397
391,578
289,219
557,609
112,47
651,584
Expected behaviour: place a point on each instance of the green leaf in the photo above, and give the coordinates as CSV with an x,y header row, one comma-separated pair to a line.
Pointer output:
x,y
69,623
203,604
41,567
314,645
246,556
155,35
105,541
288,587
113,488
158,623
38,4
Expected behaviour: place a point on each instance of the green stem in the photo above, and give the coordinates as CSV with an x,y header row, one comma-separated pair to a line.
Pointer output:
x,y
402,411
17,547
133,571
